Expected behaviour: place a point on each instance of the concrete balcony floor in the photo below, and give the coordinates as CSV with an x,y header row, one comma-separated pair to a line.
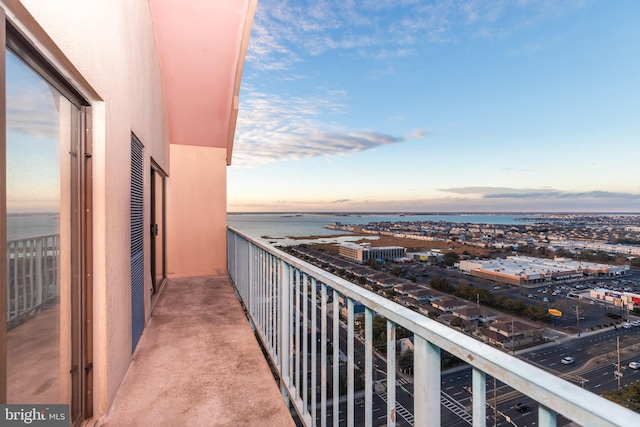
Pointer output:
x,y
198,364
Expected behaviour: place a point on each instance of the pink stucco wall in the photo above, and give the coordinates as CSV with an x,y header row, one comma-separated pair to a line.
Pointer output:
x,y
196,211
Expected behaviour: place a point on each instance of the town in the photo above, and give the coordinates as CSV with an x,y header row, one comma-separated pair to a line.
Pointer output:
x,y
556,283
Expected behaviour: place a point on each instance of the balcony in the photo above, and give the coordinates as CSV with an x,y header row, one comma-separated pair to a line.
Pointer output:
x,y
293,306
199,363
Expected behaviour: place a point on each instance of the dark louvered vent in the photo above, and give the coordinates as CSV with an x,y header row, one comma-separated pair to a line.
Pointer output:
x,y
137,241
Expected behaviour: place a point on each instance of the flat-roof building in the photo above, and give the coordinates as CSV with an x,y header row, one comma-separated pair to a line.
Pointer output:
x,y
523,270
364,253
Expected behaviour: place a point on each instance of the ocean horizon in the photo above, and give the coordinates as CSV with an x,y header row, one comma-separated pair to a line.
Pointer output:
x,y
285,228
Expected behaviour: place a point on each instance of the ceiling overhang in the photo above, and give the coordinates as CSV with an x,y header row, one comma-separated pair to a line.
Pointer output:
x,y
202,45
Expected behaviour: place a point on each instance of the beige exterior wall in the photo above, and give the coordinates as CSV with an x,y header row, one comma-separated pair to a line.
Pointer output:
x,y
196,235
107,50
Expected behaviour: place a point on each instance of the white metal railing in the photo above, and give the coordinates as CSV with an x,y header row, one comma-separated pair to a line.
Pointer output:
x,y
280,295
32,276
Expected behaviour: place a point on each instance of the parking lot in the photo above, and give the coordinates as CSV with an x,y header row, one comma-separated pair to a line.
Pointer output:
x,y
570,298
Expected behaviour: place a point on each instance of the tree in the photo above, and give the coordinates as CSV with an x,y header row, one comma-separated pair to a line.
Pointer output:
x,y
457,322
406,362
450,258
628,396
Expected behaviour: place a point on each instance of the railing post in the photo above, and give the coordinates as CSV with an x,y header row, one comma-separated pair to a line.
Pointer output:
x,y
39,272
547,417
305,341
479,393
323,355
368,366
391,373
427,382
314,349
296,326
336,359
350,364
284,327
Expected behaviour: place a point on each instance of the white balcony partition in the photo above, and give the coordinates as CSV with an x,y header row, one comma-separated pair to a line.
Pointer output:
x,y
280,295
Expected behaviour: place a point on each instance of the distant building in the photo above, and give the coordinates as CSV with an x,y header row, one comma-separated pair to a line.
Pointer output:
x,y
430,257
364,253
618,299
523,270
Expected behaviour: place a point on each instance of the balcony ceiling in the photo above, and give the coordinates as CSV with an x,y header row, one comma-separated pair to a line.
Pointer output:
x,y
202,44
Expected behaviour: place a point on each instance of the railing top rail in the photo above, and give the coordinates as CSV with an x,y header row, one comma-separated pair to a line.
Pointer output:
x,y
24,239
577,404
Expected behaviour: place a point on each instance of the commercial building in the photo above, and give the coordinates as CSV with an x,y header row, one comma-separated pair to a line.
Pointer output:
x,y
628,300
522,270
363,253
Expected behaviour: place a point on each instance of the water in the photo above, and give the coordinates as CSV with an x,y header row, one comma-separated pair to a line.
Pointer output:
x,y
271,227
279,227
24,225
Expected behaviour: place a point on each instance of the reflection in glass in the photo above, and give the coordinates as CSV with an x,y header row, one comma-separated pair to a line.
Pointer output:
x,y
39,135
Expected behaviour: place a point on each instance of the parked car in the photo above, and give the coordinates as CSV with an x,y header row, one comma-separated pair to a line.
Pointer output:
x,y
634,365
568,360
521,407
626,325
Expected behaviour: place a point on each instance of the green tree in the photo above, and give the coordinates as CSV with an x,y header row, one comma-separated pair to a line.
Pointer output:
x,y
628,396
406,362
450,258
457,322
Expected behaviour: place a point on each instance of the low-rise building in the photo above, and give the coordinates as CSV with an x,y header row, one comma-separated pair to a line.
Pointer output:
x,y
523,270
363,253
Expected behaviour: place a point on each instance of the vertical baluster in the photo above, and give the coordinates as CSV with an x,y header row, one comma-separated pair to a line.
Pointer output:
x,y
368,366
297,329
323,355
305,342
285,318
350,364
274,306
426,382
267,299
391,374
291,317
547,417
32,254
23,271
336,359
314,349
479,390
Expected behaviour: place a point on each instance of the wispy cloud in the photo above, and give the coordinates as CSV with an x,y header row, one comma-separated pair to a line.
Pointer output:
x,y
31,111
544,193
273,128
284,32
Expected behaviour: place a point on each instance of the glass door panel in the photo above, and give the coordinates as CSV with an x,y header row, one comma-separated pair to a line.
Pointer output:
x,y
42,154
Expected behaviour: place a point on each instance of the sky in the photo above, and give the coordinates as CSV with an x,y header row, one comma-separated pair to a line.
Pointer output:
x,y
439,106
33,140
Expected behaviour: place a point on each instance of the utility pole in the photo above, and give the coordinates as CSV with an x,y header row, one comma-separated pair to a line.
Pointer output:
x,y
618,372
495,403
513,334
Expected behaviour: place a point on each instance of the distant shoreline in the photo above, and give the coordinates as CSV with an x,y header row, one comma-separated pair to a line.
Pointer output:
x,y
449,213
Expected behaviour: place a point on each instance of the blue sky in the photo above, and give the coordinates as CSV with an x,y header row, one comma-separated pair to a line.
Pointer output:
x,y
440,106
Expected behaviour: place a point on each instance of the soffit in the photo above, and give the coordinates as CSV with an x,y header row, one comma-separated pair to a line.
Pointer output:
x,y
201,45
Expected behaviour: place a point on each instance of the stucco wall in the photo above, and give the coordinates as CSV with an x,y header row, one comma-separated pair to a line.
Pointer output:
x,y
107,49
196,211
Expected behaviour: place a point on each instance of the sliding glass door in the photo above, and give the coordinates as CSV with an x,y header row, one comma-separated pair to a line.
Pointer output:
x,y
44,346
